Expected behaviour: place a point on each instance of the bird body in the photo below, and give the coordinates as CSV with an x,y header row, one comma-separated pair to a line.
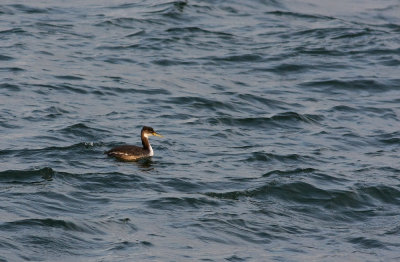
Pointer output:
x,y
132,153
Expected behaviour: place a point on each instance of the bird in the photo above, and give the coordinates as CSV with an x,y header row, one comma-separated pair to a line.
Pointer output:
x,y
133,153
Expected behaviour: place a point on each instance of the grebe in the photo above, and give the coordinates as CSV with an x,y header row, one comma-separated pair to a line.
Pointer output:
x,y
132,153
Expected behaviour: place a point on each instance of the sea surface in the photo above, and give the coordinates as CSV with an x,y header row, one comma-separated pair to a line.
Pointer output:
x,y
281,124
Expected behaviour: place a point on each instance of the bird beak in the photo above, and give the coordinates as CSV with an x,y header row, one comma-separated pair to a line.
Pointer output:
x,y
156,134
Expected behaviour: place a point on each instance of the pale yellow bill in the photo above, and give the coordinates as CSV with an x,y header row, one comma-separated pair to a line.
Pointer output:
x,y
156,134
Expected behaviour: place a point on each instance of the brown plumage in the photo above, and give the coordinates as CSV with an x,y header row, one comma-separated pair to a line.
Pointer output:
x,y
132,153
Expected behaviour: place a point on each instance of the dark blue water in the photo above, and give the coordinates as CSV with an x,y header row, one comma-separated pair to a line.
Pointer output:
x,y
281,122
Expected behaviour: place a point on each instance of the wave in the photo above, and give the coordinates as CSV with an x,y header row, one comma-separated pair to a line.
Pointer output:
x,y
115,90
300,15
10,87
279,119
170,9
197,102
80,130
70,151
49,113
173,62
240,58
47,222
125,22
305,193
31,175
297,171
16,30
198,31
166,203
288,158
368,243
107,182
354,84
389,138
12,69
6,58
263,101
69,77
68,237
63,88
31,10
333,32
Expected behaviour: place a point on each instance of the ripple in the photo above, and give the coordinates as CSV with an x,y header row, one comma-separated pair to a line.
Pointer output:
x,y
46,222
290,172
381,193
116,48
200,103
109,181
69,77
16,30
367,242
5,10
137,33
166,203
262,121
5,58
131,90
31,10
82,131
285,68
231,230
313,17
271,103
170,9
23,176
351,33
50,113
199,31
61,152
128,245
12,69
390,138
10,87
245,58
289,158
124,22
356,85
334,33
172,62
305,193
182,185
64,88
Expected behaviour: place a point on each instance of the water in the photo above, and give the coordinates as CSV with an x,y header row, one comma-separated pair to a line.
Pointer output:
x,y
281,124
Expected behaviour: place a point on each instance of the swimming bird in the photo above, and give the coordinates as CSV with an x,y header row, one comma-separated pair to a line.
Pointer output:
x,y
132,153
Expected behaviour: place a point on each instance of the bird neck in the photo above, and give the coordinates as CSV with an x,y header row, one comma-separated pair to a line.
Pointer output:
x,y
145,141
